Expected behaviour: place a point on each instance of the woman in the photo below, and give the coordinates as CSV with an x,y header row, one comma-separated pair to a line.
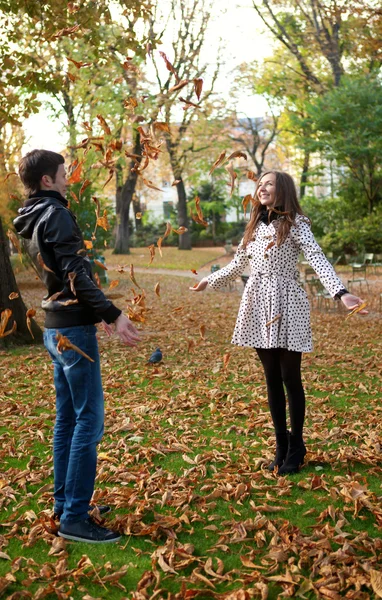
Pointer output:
x,y
274,315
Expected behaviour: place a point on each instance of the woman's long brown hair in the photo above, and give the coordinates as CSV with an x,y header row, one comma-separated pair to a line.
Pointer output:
x,y
286,202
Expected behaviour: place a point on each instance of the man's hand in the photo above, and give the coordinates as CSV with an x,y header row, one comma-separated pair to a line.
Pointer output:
x,y
352,302
128,334
201,285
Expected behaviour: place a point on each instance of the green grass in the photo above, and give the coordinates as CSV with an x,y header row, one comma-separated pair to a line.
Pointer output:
x,y
203,434
173,259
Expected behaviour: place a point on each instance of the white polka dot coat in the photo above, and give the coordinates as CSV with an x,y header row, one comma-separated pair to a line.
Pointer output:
x,y
274,310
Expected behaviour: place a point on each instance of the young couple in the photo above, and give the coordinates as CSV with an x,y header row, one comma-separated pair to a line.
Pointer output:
x,y
273,319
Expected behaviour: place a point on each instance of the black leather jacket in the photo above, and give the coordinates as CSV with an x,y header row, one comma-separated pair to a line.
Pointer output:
x,y
52,237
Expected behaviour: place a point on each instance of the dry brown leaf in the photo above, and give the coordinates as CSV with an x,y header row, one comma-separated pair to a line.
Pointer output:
x,y
4,318
65,32
76,175
169,66
104,125
42,264
151,185
14,239
202,331
356,310
83,187
376,582
101,265
13,296
113,284
226,359
219,161
181,84
245,201
132,276
233,175
237,154
157,289
65,344
71,278
180,230
88,244
198,86
29,315
138,215
152,253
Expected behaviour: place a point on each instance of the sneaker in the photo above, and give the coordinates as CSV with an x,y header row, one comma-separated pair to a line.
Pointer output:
x,y
88,531
102,509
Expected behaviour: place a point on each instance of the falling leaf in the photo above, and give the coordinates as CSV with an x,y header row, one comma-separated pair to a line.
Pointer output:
x,y
113,284
233,175
75,198
13,296
42,264
14,239
180,230
188,103
29,315
277,318
270,245
68,302
132,276
88,244
252,176
138,215
71,278
169,66
157,289
202,331
64,32
85,184
219,161
194,272
103,221
199,217
4,318
151,185
104,125
245,202
111,173
101,265
198,86
237,154
162,127
152,253
65,344
176,181
9,175
178,86
76,175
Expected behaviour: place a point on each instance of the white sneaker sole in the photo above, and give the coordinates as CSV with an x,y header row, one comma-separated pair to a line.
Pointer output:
x,y
75,538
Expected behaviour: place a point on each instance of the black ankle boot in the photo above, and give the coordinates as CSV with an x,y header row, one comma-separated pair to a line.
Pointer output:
x,y
282,442
295,456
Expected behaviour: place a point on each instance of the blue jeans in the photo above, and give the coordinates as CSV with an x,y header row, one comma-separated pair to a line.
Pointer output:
x,y
79,420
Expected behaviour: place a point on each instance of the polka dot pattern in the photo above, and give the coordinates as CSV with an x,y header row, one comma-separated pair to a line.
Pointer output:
x,y
274,310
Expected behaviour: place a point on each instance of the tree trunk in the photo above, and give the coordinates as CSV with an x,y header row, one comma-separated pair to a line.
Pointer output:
x,y
17,306
184,238
122,242
304,174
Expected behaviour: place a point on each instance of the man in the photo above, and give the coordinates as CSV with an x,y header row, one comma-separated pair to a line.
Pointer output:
x,y
72,306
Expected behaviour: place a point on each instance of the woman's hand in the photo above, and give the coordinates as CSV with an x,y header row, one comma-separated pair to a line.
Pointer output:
x,y
352,302
201,285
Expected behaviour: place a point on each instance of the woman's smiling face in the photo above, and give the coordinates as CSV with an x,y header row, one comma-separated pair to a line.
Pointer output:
x,y
266,190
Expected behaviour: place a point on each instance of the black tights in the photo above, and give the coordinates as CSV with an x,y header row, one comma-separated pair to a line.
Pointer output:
x,y
284,367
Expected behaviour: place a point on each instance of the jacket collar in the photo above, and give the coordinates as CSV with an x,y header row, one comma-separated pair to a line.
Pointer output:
x,y
36,196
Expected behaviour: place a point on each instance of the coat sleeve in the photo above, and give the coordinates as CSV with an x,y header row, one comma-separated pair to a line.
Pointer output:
x,y
303,237
229,273
62,236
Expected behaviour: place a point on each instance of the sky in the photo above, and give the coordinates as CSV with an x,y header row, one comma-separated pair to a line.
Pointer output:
x,y
243,40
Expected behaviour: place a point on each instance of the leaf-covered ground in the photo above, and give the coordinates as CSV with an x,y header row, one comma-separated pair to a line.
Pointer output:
x,y
182,459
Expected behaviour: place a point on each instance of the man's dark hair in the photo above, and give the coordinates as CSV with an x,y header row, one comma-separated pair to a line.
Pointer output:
x,y
37,163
